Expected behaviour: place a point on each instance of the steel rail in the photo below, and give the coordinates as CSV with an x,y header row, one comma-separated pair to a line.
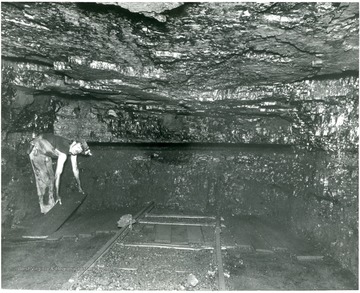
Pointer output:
x,y
105,248
221,279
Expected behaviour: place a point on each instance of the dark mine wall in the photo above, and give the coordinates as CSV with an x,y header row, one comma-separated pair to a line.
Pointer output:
x,y
327,209
312,186
255,180
18,189
295,118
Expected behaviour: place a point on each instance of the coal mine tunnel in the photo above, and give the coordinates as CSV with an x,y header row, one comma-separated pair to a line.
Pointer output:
x,y
224,142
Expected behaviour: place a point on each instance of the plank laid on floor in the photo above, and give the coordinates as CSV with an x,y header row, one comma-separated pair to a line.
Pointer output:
x,y
300,246
243,231
55,218
89,222
184,223
179,235
194,234
309,257
227,238
258,238
148,233
209,234
163,233
273,236
179,216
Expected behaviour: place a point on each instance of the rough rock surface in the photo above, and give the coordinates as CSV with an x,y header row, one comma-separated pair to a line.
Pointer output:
x,y
238,73
209,66
204,52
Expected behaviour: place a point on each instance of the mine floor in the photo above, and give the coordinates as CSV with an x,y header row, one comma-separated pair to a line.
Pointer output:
x,y
169,251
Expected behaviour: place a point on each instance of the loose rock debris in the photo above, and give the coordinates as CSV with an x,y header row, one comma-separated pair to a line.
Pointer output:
x,y
192,281
156,269
126,220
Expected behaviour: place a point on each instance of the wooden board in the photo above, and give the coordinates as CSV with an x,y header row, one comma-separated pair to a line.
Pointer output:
x,y
179,235
258,238
90,222
243,232
44,225
146,234
281,239
163,233
274,237
227,238
194,234
183,222
309,257
209,235
179,216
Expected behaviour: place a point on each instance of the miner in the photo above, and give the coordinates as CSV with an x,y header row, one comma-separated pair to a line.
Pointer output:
x,y
43,149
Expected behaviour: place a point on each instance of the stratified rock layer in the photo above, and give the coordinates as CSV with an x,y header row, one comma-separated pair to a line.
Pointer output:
x,y
204,47
255,74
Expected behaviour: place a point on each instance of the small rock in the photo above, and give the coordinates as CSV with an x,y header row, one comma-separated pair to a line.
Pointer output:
x,y
192,281
126,220
104,282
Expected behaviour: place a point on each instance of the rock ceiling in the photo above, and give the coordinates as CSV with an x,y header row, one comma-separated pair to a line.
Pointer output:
x,y
184,55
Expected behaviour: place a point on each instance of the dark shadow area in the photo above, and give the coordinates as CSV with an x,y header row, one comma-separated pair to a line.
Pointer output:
x,y
189,146
344,74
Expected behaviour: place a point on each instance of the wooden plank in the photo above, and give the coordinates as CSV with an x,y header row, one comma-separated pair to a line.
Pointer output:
x,y
148,233
90,222
170,223
309,257
163,233
300,246
271,234
243,232
195,235
179,216
209,235
52,221
179,235
228,239
249,236
279,239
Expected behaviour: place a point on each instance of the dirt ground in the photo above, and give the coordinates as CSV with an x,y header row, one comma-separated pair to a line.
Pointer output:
x,y
266,254
45,264
134,268
280,271
257,255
